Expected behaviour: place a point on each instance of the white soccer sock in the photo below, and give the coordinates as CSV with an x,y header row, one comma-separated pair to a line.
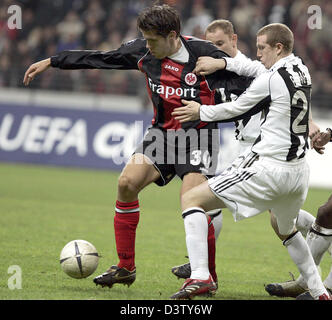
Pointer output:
x,y
319,241
196,227
318,245
304,222
216,216
300,253
328,281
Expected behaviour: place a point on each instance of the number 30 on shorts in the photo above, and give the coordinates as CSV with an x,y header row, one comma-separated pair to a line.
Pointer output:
x,y
201,158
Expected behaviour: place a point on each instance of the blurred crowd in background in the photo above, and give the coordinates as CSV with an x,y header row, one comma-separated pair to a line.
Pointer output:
x,y
55,25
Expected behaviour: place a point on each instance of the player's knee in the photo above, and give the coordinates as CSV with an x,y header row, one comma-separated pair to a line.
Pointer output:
x,y
274,223
126,186
188,200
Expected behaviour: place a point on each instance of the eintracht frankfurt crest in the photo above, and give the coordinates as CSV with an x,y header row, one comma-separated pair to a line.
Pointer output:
x,y
190,79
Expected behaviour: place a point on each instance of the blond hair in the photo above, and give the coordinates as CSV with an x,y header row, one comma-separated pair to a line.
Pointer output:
x,y
225,25
278,33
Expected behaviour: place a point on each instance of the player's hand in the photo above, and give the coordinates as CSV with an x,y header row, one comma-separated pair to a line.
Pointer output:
x,y
36,68
321,140
318,149
314,132
189,112
208,65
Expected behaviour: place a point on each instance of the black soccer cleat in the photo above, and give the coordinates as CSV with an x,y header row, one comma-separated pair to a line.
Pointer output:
x,y
288,288
195,287
183,271
284,289
115,275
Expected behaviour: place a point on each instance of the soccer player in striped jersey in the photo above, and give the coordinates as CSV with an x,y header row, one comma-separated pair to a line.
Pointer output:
x,y
188,150
274,176
221,33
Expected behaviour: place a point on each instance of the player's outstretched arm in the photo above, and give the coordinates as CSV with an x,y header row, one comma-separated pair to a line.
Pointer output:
x,y
256,97
244,66
207,65
35,69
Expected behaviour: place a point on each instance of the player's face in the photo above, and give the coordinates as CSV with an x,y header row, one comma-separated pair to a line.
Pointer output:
x,y
159,46
265,53
223,41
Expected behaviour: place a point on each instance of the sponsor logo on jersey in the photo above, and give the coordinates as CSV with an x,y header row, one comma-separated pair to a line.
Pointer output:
x,y
190,79
168,91
167,66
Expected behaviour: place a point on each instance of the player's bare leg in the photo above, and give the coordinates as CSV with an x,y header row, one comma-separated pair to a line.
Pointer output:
x,y
137,174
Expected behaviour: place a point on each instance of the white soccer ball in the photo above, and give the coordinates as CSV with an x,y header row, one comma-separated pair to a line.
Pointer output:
x,y
79,259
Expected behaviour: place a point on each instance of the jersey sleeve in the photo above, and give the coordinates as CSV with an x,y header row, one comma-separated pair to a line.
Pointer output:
x,y
252,101
244,66
124,58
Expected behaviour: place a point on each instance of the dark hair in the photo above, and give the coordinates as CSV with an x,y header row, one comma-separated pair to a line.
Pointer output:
x,y
159,18
278,33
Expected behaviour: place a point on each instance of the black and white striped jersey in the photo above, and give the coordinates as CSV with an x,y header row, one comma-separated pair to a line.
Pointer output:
x,y
283,96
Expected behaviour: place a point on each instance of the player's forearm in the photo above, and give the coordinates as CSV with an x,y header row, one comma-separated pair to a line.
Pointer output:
x,y
77,59
244,66
251,102
227,111
92,59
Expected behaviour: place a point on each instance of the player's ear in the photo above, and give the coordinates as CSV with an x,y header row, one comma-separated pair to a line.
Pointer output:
x,y
280,48
234,39
172,35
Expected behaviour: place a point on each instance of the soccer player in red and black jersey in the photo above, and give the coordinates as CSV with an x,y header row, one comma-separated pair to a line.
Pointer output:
x,y
169,148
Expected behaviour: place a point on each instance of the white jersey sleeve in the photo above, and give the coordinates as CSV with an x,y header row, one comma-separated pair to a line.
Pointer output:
x,y
244,66
251,101
246,130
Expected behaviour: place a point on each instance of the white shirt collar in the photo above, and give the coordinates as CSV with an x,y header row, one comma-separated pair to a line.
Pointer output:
x,y
281,62
181,56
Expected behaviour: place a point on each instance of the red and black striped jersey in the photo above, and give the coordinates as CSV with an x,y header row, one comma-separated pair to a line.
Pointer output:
x,y
167,80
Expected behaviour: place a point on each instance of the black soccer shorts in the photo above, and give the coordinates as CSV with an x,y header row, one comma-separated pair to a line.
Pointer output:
x,y
178,152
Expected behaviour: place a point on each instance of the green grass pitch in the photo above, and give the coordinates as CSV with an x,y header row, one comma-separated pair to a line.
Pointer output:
x,y
43,208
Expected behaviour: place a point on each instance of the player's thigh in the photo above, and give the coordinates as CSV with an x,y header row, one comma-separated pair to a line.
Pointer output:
x,y
285,211
138,173
191,180
293,184
201,196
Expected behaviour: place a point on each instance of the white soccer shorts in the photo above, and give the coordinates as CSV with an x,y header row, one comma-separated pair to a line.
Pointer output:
x,y
260,184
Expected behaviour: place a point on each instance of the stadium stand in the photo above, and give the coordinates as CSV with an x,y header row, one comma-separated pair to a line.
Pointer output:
x,y
55,25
